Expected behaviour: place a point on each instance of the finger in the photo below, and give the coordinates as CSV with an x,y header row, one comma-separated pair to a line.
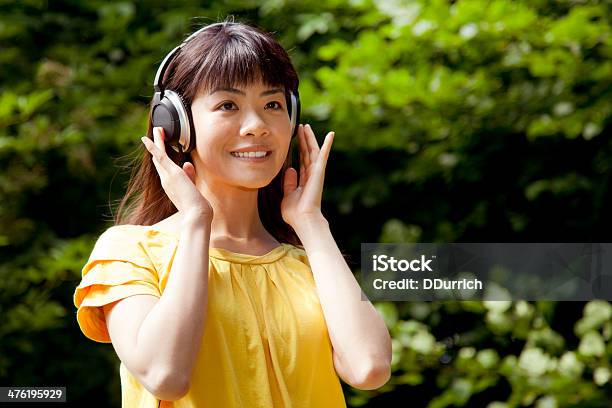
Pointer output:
x,y
302,175
317,171
304,158
311,141
151,148
289,181
159,137
325,149
153,151
190,171
160,150
159,159
304,155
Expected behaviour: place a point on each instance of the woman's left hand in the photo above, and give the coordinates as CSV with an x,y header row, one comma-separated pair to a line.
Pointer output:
x,y
303,201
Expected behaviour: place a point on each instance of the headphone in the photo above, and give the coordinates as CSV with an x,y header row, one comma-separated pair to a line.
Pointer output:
x,y
171,112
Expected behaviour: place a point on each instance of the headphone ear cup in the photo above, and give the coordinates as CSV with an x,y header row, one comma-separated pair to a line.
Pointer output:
x,y
174,116
293,105
298,111
164,115
190,142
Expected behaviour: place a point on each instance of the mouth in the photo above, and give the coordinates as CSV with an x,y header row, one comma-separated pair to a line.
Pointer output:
x,y
254,157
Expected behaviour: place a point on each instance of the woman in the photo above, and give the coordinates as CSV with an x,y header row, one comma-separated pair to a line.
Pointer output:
x,y
221,284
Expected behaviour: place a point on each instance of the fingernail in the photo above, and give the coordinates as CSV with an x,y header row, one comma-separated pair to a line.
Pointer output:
x,y
142,139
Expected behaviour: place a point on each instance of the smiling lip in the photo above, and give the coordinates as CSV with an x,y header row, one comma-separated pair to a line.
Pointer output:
x,y
253,148
254,159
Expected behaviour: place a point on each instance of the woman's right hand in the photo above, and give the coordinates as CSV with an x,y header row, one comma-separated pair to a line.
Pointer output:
x,y
177,182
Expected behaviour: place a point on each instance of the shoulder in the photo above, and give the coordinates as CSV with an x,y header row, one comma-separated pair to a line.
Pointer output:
x,y
119,235
129,243
118,239
297,253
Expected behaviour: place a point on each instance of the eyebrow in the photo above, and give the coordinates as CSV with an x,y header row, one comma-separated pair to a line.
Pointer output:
x,y
238,91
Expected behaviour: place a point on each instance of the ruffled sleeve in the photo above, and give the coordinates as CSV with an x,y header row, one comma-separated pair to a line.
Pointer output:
x,y
118,267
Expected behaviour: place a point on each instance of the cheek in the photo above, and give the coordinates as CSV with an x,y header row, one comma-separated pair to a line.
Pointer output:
x,y
211,137
281,156
209,124
210,150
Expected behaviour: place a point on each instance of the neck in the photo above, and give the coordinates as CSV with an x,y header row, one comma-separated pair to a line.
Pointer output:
x,y
236,213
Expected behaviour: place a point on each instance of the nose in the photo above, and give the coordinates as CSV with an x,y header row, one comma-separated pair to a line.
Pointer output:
x,y
254,125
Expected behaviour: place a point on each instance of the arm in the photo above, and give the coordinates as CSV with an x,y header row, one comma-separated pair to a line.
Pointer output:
x,y
360,339
158,339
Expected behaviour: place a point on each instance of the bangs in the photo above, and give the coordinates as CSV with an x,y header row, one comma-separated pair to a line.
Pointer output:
x,y
234,59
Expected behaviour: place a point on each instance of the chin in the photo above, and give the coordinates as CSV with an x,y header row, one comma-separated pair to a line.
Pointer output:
x,y
252,184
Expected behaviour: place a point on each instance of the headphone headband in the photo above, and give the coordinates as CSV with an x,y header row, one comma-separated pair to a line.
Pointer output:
x,y
159,76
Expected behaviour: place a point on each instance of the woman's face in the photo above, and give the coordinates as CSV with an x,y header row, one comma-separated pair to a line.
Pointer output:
x,y
242,119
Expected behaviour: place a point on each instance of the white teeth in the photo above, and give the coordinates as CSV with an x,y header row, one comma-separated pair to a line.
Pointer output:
x,y
249,154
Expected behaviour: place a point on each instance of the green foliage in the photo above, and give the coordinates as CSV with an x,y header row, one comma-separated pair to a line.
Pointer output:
x,y
516,345
469,120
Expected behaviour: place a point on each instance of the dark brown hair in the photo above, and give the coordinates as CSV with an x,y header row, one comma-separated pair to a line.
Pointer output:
x,y
226,55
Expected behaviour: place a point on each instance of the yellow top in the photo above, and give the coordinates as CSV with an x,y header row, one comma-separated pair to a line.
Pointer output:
x,y
265,342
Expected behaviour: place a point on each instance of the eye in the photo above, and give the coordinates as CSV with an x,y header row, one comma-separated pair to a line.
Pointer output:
x,y
277,107
227,106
